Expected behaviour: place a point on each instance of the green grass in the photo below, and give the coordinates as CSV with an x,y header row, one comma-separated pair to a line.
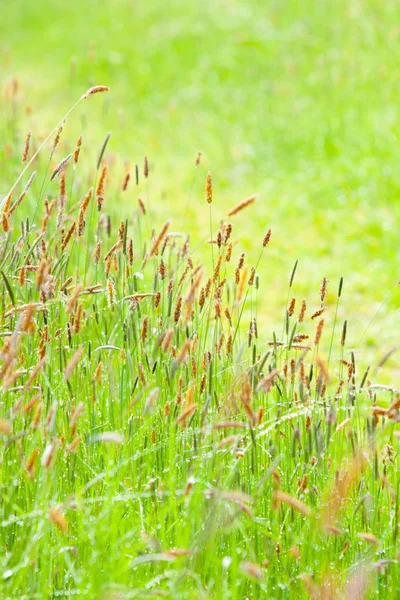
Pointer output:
x,y
298,104
217,465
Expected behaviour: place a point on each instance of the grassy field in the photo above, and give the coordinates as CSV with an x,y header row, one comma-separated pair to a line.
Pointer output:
x,y
299,106
171,424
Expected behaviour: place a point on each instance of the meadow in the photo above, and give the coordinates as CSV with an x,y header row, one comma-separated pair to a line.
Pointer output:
x,y
198,325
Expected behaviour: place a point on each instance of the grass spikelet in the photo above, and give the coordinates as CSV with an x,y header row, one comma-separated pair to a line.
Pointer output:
x,y
100,188
347,477
184,351
268,381
37,416
4,217
72,301
110,292
49,455
73,446
25,151
296,504
252,276
82,212
159,238
57,137
125,181
252,570
344,334
78,319
76,413
178,307
5,223
22,195
30,465
267,238
302,312
241,285
292,306
157,300
370,538
73,363
97,252
77,149
217,269
129,252
98,372
239,207
61,167
209,189
318,332
68,236
318,313
65,284
246,399
5,427
146,169
141,373
108,437
41,273
57,518
121,231
144,331
113,250
186,414
228,254
323,291
96,89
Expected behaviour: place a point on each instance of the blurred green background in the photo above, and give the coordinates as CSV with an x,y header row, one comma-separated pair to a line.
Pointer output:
x,y
296,101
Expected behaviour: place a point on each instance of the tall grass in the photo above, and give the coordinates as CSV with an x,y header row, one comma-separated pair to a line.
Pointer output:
x,y
154,443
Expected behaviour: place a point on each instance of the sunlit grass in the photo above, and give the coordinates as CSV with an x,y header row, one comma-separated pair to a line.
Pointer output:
x,y
156,441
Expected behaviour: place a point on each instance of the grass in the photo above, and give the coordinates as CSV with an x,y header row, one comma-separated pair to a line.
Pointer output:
x,y
297,105
159,446
155,443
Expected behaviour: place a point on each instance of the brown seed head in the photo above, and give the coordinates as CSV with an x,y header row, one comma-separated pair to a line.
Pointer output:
x,y
178,307
267,238
77,149
318,332
26,148
159,238
241,206
68,236
142,206
146,169
323,289
228,254
100,188
145,327
125,181
302,312
292,306
97,252
252,276
97,89
82,212
209,193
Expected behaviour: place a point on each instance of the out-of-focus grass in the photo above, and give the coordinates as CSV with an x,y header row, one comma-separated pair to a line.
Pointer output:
x,y
298,103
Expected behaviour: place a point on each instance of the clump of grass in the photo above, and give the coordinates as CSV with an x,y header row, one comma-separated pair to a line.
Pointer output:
x,y
154,441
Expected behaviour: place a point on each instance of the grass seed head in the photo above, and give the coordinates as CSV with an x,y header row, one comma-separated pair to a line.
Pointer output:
x,y
209,189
